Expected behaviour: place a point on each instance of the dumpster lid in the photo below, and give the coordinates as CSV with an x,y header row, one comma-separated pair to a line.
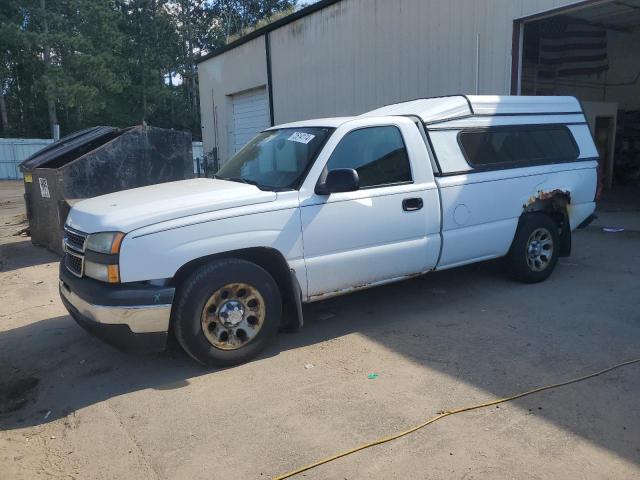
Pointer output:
x,y
66,145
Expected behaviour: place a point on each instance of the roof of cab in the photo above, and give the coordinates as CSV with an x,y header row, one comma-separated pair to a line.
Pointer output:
x,y
438,109
332,122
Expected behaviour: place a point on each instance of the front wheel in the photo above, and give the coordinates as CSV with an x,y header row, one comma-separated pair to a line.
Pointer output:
x,y
226,312
534,252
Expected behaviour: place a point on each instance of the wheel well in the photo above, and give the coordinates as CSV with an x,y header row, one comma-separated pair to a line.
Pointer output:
x,y
554,204
273,262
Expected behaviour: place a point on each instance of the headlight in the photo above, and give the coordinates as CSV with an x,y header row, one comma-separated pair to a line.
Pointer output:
x,y
107,242
102,272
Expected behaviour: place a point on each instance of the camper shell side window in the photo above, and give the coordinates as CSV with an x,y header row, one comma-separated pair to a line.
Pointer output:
x,y
515,146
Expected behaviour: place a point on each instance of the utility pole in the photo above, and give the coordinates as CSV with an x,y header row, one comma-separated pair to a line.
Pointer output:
x,y
3,114
51,103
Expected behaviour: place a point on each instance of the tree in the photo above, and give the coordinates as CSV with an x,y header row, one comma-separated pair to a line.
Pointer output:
x,y
46,57
82,63
239,16
68,59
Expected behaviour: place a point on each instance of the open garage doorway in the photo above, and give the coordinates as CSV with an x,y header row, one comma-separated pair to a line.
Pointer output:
x,y
591,50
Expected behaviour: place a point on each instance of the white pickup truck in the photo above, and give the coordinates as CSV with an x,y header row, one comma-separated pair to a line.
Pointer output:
x,y
324,207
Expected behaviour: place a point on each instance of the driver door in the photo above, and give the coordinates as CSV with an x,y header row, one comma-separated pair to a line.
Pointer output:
x,y
378,232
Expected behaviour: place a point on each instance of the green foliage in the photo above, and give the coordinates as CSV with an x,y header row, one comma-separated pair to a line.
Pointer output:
x,y
112,62
241,16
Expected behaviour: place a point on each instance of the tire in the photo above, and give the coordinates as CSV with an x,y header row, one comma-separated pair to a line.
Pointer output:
x,y
226,312
535,249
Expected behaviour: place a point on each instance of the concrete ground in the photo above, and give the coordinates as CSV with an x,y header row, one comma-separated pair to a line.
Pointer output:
x,y
72,407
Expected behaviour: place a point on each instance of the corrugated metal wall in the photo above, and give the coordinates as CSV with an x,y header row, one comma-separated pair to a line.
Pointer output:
x,y
222,77
14,150
356,55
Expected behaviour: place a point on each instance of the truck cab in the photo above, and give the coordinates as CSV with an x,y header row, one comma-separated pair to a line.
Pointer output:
x,y
319,208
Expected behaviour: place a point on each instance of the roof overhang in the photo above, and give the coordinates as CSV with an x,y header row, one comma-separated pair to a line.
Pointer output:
x,y
303,12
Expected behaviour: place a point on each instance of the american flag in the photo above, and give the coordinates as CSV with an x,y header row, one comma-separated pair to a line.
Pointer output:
x,y
572,48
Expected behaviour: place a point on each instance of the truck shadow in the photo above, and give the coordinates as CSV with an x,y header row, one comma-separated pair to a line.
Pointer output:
x,y
22,254
59,368
478,327
472,324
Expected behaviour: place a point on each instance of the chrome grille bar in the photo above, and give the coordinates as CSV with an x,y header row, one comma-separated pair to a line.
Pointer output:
x,y
74,239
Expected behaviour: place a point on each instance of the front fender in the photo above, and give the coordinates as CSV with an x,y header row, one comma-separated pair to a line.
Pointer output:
x,y
159,253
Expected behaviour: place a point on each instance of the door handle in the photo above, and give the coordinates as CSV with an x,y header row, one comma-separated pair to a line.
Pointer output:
x,y
412,204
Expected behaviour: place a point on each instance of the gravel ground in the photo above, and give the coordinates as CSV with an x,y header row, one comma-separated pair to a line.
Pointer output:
x,y
72,407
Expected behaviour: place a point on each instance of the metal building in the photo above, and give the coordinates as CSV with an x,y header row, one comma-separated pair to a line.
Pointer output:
x,y
344,57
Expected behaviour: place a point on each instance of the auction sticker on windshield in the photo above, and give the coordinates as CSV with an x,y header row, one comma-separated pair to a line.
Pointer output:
x,y
301,137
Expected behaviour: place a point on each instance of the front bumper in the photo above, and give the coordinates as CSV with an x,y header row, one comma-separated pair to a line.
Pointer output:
x,y
132,317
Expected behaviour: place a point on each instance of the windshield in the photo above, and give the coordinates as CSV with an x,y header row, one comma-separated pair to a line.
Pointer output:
x,y
276,159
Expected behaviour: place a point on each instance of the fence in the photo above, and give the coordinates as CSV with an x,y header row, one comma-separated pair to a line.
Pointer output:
x,y
14,150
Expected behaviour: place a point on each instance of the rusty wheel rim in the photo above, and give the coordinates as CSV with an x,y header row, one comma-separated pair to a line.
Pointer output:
x,y
539,249
233,315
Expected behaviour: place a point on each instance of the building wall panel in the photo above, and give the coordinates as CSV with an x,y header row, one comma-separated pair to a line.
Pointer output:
x,y
239,70
357,55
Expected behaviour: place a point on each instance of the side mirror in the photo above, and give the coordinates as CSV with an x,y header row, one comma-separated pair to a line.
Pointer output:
x,y
339,180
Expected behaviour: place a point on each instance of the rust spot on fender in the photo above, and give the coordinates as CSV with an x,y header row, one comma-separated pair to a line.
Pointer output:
x,y
552,200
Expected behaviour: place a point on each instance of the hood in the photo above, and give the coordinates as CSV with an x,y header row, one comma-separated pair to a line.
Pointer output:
x,y
129,210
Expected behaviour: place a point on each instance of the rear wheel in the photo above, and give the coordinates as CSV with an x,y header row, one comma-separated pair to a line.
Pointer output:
x,y
534,252
226,312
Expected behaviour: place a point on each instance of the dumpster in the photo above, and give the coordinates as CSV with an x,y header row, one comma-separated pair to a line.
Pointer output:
x,y
94,162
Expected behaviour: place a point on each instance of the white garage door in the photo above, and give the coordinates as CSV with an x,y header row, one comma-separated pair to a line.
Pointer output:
x,y
250,116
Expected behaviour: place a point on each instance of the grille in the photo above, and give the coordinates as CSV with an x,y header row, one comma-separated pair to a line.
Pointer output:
x,y
74,263
74,239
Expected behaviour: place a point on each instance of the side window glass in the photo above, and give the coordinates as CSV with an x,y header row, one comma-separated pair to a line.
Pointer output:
x,y
378,154
522,145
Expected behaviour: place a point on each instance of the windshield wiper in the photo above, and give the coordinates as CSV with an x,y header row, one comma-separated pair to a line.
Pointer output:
x,y
242,180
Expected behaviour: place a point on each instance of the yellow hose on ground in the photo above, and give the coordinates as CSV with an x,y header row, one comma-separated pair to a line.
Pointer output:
x,y
446,413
